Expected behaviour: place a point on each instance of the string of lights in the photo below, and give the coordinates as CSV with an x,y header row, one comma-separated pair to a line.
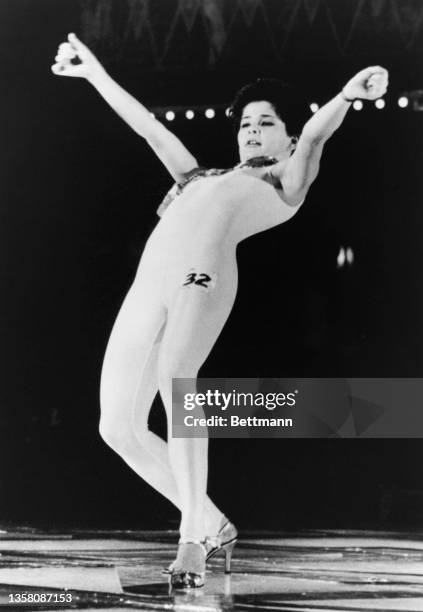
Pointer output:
x,y
412,100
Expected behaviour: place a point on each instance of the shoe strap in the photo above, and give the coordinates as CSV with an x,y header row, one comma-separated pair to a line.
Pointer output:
x,y
214,541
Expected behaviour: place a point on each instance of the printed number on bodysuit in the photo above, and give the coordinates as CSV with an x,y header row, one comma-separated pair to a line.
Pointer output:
x,y
201,279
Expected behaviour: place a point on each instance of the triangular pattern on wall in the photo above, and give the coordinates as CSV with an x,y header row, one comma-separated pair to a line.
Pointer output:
x,y
311,7
138,20
248,9
331,27
188,10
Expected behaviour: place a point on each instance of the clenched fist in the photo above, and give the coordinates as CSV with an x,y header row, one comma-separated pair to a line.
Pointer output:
x,y
368,84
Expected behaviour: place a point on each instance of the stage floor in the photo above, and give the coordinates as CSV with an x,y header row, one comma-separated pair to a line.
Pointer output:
x,y
301,571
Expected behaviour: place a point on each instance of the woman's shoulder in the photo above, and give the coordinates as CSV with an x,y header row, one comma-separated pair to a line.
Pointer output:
x,y
189,176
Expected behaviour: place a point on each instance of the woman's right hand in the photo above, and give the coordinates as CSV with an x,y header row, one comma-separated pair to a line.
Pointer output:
x,y
88,67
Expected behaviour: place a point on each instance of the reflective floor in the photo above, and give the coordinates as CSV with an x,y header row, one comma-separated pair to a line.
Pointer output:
x,y
121,570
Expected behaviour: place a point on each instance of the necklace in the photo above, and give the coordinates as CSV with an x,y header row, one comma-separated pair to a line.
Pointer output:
x,y
258,162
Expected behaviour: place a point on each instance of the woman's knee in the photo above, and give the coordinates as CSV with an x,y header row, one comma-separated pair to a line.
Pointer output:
x,y
115,434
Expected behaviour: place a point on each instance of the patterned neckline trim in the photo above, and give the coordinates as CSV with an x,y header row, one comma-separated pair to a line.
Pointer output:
x,y
258,162
254,162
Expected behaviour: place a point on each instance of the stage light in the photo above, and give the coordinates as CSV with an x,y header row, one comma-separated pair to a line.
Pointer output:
x,y
189,114
357,105
314,107
349,253
380,103
340,260
170,115
412,99
210,113
227,112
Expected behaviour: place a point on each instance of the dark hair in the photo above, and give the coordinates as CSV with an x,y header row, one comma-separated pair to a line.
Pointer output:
x,y
289,105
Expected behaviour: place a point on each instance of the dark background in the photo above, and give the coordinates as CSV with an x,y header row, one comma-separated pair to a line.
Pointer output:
x,y
78,197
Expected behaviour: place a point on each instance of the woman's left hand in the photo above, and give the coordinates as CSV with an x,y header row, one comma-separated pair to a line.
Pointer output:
x,y
368,84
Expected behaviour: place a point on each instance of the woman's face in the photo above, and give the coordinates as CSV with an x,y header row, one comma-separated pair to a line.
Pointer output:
x,y
262,132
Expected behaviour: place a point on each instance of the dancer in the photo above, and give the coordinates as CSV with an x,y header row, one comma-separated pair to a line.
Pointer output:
x,y
186,282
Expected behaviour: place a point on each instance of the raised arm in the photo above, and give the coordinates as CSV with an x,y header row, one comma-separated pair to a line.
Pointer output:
x,y
303,166
170,150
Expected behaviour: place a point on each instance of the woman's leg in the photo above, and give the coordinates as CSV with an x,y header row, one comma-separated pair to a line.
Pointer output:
x,y
129,386
137,326
196,317
156,465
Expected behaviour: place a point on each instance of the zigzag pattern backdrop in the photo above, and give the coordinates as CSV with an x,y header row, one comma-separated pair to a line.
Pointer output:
x,y
166,34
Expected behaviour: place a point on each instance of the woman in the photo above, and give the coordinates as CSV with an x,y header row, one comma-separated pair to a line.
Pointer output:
x,y
187,280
